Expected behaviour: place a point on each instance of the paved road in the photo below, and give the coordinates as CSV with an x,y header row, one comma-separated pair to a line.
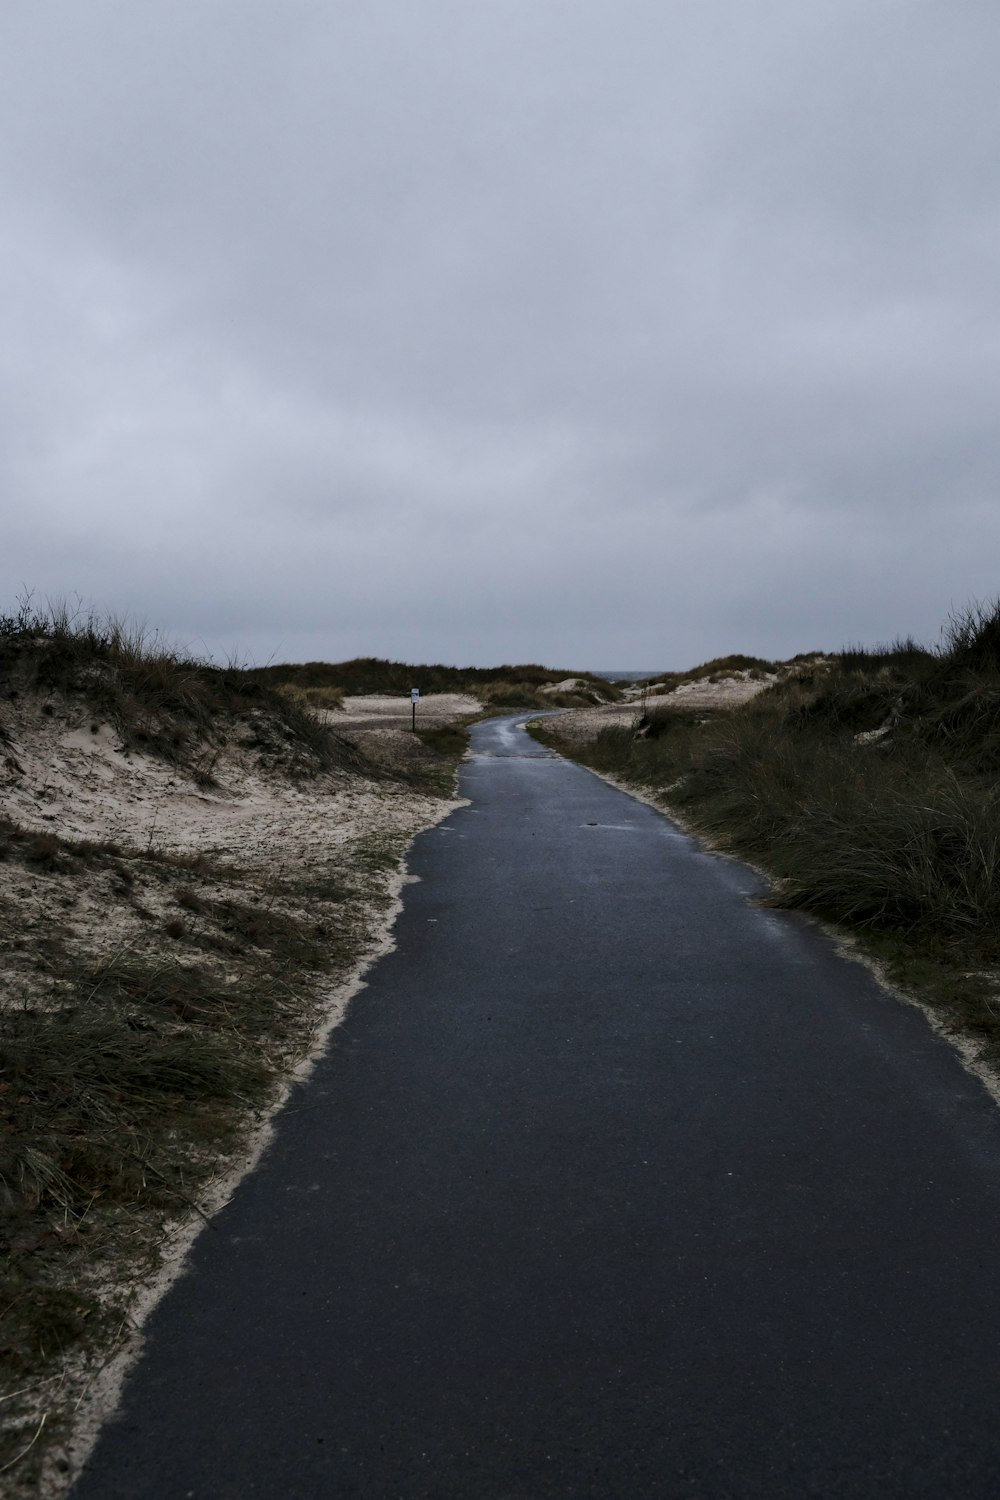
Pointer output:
x,y
611,1185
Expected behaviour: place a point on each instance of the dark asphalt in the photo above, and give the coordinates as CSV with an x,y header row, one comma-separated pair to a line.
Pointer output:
x,y
610,1185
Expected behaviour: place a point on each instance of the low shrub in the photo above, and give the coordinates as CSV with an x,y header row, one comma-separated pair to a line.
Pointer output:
x,y
508,694
328,696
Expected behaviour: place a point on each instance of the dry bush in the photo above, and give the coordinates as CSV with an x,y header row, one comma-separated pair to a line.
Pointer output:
x,y
508,694
325,697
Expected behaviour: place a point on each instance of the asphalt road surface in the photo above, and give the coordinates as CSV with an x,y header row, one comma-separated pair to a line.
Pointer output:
x,y
612,1184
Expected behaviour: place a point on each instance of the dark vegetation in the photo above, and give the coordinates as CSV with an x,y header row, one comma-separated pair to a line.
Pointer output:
x,y
125,1078
868,783
722,666
120,1088
736,664
505,686
159,699
445,739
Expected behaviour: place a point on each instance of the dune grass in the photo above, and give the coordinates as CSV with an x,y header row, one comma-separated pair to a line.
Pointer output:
x,y
509,694
327,696
867,784
515,686
159,698
125,1080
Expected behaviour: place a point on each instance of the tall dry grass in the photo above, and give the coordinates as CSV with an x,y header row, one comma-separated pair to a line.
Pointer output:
x,y
868,784
373,675
160,698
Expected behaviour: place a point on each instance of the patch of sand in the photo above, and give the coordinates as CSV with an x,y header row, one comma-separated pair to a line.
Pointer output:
x,y
66,775
581,724
383,710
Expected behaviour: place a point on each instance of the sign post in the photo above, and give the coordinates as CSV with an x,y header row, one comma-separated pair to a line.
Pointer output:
x,y
414,700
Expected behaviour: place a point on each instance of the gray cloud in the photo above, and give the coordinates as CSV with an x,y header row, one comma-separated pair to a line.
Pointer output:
x,y
542,329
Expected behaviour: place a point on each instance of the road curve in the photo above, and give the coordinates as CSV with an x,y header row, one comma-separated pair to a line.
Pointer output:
x,y
611,1184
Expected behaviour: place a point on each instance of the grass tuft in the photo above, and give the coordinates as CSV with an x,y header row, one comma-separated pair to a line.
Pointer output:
x,y
159,698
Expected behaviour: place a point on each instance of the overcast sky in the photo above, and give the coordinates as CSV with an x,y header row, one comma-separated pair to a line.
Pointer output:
x,y
603,333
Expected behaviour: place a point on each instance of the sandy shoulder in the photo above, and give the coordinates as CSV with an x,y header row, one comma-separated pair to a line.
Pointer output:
x,y
273,839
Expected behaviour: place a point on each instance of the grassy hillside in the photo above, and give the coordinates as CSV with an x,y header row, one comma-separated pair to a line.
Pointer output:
x,y
868,783
190,861
159,700
513,686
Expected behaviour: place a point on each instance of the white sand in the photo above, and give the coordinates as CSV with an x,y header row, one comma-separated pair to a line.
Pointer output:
x,y
580,724
378,710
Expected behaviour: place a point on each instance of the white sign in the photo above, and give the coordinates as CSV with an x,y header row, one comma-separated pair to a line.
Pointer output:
x,y
414,695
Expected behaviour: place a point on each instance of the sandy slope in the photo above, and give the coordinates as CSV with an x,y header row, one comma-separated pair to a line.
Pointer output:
x,y
585,723
266,840
380,710
66,774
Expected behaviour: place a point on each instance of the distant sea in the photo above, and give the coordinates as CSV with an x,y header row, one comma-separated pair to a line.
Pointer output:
x,y
627,676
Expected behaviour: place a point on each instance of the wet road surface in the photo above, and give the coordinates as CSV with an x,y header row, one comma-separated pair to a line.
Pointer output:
x,y
610,1185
